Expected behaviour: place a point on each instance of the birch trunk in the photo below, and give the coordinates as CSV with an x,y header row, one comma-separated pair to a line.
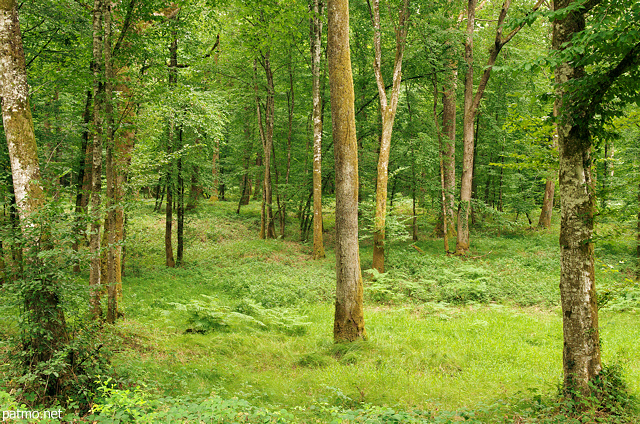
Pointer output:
x,y
316,51
349,314
581,353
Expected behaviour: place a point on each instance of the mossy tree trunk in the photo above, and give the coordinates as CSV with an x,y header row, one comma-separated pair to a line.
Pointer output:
x,y
349,314
581,353
41,301
388,108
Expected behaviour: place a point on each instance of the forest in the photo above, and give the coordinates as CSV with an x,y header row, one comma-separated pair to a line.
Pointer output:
x,y
320,211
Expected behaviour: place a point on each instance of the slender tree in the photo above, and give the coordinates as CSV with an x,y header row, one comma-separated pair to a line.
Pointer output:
x,y
96,171
349,314
316,50
471,104
388,108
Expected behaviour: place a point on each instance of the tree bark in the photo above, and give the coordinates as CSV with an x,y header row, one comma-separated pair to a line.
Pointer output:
x,y
581,353
388,110
449,149
316,51
172,81
95,280
349,313
84,176
41,301
267,227
547,203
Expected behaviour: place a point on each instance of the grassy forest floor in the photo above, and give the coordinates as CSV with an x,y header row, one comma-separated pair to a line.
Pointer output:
x,y
247,323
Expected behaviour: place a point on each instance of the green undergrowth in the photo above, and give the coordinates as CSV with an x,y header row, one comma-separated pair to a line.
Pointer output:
x,y
243,331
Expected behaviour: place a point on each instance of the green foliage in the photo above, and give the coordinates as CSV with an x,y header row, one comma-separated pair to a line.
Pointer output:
x,y
210,315
462,285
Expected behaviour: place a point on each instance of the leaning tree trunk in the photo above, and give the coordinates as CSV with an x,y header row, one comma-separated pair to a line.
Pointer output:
x,y
349,315
46,330
581,353
471,105
316,51
388,113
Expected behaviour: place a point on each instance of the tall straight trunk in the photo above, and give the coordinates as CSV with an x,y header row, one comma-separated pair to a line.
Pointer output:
x,y
388,113
581,353
267,228
172,81
96,174
110,221
316,52
290,105
42,305
349,314
168,228
443,189
123,145
471,104
84,174
449,149
180,208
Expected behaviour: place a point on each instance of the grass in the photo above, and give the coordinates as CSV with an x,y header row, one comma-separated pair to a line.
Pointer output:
x,y
421,353
252,319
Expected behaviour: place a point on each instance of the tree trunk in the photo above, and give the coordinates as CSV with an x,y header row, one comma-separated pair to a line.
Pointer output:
x,y
84,175
110,221
96,173
180,208
214,172
449,148
443,190
172,81
316,51
349,313
547,203
581,354
267,227
46,330
388,114
471,104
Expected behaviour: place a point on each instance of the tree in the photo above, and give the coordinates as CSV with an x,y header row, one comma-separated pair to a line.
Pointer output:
x,y
388,109
316,50
580,98
471,104
349,314
43,310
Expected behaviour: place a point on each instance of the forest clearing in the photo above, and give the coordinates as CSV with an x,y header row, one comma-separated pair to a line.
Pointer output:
x,y
372,211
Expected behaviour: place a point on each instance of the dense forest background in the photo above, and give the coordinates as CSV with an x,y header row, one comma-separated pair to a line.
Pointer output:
x,y
181,229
